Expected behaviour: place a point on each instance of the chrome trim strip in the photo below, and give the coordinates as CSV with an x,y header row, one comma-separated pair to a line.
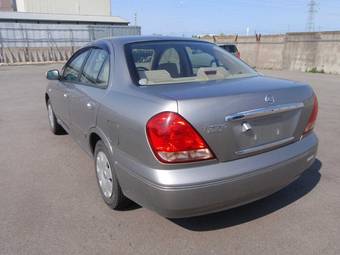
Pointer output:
x,y
265,146
263,111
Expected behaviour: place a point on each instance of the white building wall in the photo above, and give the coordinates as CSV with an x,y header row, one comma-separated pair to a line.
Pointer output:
x,y
81,7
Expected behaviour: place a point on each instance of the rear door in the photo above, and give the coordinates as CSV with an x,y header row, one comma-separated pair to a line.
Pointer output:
x,y
70,75
85,96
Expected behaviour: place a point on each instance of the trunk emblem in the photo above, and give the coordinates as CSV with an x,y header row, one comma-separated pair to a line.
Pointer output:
x,y
269,99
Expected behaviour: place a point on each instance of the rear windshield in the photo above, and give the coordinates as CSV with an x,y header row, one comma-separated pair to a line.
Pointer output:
x,y
166,62
229,48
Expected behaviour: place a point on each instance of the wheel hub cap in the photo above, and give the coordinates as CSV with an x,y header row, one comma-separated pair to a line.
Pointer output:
x,y
104,174
50,115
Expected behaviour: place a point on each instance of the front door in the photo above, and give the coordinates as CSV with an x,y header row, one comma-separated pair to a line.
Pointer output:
x,y
85,96
59,99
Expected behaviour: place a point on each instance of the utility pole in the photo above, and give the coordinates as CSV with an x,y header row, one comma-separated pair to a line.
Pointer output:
x,y
311,16
135,18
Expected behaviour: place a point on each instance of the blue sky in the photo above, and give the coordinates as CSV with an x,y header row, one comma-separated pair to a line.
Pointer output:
x,y
189,17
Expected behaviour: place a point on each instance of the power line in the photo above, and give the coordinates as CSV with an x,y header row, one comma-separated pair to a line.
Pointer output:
x,y
311,16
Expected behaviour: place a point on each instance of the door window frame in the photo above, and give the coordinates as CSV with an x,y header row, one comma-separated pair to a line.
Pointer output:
x,y
75,55
89,49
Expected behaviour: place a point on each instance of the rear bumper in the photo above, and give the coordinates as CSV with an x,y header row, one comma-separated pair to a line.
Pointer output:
x,y
205,189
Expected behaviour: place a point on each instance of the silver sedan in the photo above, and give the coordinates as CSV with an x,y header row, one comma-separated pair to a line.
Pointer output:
x,y
181,126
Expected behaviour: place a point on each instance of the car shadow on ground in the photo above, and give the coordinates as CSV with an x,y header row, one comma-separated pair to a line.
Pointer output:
x,y
130,207
299,188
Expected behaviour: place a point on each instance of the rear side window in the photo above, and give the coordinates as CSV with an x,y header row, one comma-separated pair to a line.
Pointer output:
x,y
96,69
72,69
103,78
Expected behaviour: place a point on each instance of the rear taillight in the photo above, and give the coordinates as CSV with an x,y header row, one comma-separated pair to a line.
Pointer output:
x,y
238,54
174,140
313,116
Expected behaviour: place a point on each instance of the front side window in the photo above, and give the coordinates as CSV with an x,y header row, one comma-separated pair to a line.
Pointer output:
x,y
96,69
168,62
72,68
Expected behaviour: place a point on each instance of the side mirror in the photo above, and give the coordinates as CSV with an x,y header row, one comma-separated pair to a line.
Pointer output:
x,y
53,75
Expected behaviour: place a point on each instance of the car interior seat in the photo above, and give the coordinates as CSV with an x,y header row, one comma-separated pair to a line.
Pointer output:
x,y
171,68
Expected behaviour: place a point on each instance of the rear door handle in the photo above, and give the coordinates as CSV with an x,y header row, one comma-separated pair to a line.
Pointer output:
x,y
89,105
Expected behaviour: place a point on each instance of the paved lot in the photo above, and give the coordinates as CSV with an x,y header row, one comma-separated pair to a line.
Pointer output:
x,y
50,203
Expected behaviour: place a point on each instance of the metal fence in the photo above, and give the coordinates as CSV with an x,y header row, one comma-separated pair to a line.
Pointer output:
x,y
21,43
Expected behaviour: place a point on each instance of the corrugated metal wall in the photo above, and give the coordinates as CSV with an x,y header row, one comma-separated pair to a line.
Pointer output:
x,y
24,42
80,7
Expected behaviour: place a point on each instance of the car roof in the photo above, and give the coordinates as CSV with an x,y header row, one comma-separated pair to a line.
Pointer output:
x,y
122,40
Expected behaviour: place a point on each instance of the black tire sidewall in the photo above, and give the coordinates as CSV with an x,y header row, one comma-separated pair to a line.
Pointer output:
x,y
55,123
57,129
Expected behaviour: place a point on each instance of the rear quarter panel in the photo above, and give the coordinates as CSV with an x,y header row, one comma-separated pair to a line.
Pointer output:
x,y
123,117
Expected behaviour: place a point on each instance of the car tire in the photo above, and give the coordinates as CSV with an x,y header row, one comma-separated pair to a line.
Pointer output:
x,y
107,179
55,127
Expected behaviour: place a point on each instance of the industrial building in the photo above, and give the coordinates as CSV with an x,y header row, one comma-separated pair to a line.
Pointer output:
x,y
7,5
51,30
44,18
76,7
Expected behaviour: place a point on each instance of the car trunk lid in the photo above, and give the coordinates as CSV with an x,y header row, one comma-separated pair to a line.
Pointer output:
x,y
243,117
